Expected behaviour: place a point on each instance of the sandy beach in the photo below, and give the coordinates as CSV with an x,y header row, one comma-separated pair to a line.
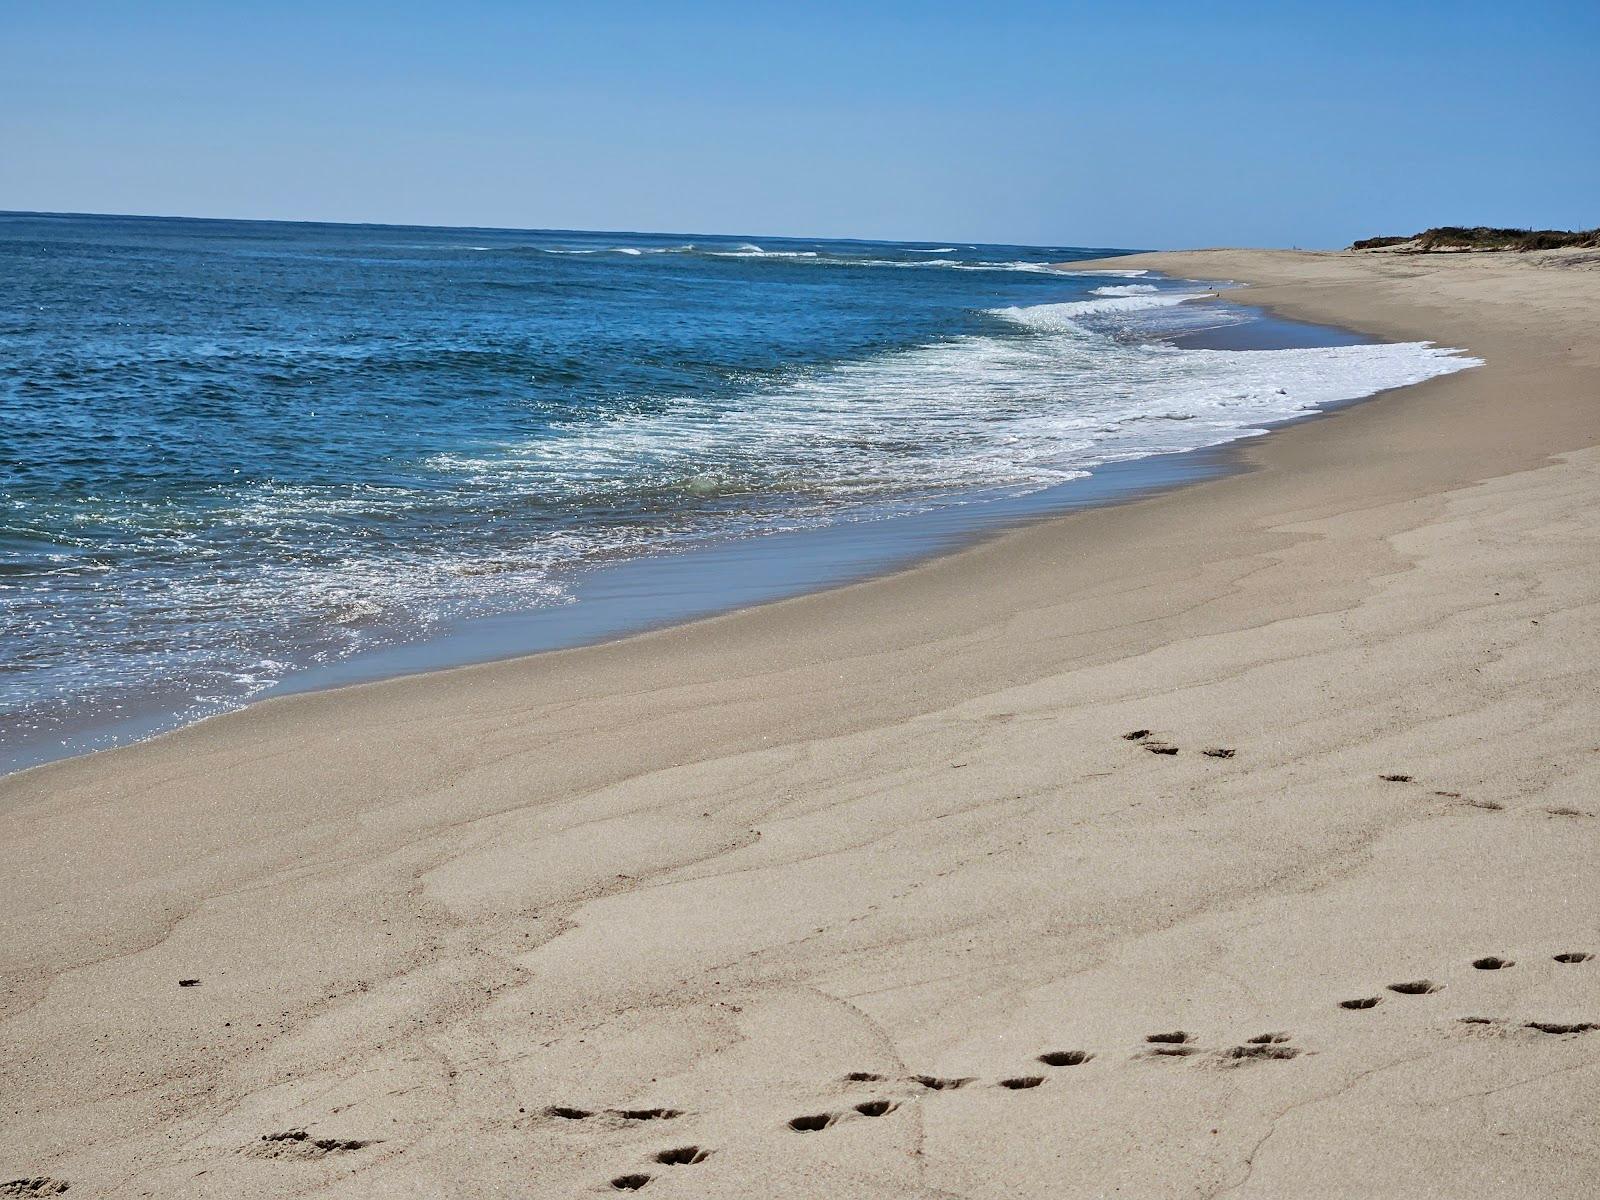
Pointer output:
x,y
872,894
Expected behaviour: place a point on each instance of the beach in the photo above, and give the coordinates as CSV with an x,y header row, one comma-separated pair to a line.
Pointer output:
x,y
871,893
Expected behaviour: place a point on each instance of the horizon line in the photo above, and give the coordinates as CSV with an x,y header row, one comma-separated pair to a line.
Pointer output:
x,y
26,212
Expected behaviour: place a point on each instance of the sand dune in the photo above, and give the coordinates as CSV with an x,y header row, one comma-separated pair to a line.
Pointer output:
x,y
872,893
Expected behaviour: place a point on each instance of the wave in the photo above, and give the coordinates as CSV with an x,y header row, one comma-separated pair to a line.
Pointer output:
x,y
1068,315
630,251
1066,269
1124,289
751,250
1047,398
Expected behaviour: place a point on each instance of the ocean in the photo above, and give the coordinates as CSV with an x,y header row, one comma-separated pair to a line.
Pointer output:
x,y
239,458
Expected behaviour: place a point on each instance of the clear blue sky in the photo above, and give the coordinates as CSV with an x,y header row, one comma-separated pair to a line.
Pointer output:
x,y
1123,124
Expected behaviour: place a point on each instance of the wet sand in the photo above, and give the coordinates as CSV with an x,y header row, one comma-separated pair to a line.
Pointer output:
x,y
636,914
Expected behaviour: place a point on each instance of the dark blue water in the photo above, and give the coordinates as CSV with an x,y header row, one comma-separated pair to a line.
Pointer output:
x,y
233,451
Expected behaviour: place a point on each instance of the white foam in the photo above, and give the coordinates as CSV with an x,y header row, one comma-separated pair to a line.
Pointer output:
x,y
1124,289
1068,315
1045,401
750,250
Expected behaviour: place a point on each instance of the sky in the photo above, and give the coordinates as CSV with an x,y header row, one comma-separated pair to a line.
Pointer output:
x,y
1142,125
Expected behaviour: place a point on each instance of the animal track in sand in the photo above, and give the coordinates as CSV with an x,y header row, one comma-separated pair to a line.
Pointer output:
x,y
935,1084
683,1156
1176,1037
1574,956
1416,987
1492,963
568,1114
1218,752
1560,1027
34,1185
814,1123
297,1143
630,1183
1363,1002
1395,778
876,1108
647,1114
1267,1039
1021,1082
1135,735
1065,1058
1564,811
863,1077
1160,747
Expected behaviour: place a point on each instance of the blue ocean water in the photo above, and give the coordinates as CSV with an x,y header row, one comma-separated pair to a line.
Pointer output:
x,y
233,451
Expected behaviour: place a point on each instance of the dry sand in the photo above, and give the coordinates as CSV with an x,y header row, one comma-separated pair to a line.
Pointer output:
x,y
896,829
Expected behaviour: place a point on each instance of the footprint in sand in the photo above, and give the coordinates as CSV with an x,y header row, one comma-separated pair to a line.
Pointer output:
x,y
683,1156
1493,963
1264,1047
876,1108
935,1084
1559,1027
568,1114
1065,1058
1243,1054
34,1185
646,1114
1154,745
1416,987
1218,752
1022,1082
814,1123
1171,1045
630,1183
1574,956
863,1077
1362,1002
297,1143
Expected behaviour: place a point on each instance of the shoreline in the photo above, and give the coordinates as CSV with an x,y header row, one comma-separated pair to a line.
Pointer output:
x,y
894,828
605,597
